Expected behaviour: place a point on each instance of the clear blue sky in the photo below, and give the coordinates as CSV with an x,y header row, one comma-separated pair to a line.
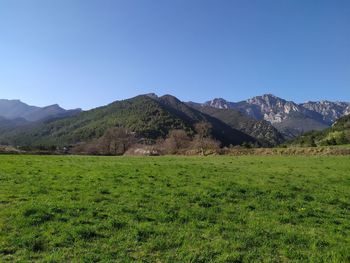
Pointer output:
x,y
86,53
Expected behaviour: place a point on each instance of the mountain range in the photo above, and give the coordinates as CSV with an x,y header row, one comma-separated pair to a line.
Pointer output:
x,y
150,118
263,120
288,117
337,134
15,109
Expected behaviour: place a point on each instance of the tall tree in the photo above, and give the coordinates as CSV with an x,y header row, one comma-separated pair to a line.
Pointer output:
x,y
203,140
177,141
117,140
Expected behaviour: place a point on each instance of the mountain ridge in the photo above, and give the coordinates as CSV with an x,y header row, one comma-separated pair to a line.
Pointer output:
x,y
265,120
14,109
289,117
337,134
149,118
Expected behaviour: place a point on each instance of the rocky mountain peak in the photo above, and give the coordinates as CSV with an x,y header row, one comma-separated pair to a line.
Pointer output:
x,y
274,109
218,103
330,111
287,115
152,95
267,99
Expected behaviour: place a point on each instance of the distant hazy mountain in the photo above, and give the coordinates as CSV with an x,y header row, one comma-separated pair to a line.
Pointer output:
x,y
6,123
290,118
15,109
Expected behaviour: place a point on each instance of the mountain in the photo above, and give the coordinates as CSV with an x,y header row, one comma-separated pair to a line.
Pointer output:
x,y
221,130
265,120
337,134
330,111
261,130
220,103
15,109
8,125
288,117
148,116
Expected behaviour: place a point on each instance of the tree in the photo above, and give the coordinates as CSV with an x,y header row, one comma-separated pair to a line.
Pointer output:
x,y
340,138
206,145
203,129
177,141
202,140
347,136
309,141
116,140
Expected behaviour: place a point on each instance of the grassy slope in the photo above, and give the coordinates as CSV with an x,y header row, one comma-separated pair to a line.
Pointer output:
x,y
174,209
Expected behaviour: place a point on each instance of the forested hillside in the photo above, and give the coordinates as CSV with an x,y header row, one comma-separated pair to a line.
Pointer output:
x,y
261,130
338,134
148,117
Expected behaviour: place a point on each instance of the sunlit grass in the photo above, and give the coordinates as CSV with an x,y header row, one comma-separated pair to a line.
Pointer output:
x,y
174,209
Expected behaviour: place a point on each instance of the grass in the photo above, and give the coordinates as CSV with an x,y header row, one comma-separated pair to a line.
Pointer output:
x,y
174,209
342,146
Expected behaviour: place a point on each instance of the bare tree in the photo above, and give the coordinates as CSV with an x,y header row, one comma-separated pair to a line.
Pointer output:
x,y
116,140
202,138
177,141
206,145
92,148
203,129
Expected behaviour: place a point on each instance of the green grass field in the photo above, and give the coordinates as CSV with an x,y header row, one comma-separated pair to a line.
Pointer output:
x,y
174,209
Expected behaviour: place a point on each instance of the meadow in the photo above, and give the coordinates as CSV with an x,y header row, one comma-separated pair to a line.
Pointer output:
x,y
174,209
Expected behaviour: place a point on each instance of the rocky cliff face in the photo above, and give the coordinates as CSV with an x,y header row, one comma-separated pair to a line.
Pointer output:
x,y
273,109
330,111
220,103
288,116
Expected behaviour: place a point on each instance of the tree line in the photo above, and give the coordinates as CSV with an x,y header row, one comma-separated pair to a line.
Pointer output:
x,y
120,140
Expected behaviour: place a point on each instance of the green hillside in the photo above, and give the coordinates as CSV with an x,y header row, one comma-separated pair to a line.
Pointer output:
x,y
338,134
148,117
221,130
